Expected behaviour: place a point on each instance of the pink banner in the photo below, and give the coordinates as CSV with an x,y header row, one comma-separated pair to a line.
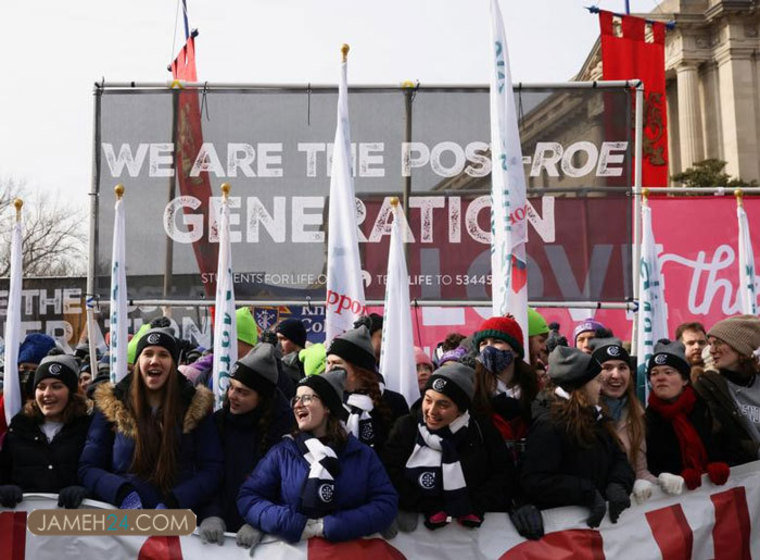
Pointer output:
x,y
699,255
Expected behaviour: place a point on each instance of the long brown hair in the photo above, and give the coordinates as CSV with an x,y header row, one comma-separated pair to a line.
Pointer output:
x,y
157,437
76,406
485,386
367,383
576,415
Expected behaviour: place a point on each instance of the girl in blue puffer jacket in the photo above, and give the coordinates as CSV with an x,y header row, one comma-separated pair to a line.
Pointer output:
x,y
320,482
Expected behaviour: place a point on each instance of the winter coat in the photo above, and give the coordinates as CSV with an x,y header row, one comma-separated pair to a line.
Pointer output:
x,y
640,466
730,425
292,367
487,470
663,448
365,500
557,471
241,444
36,465
105,465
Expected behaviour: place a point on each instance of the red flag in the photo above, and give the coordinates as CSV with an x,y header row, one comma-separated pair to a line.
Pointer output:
x,y
189,139
632,56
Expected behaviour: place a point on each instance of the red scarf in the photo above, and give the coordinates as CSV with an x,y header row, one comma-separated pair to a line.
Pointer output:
x,y
693,454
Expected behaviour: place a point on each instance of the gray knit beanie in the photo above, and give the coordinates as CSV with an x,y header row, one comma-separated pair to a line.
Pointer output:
x,y
456,381
355,346
671,354
742,333
571,369
258,369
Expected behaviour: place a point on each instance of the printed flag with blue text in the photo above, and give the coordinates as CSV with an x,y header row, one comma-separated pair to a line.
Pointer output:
x,y
652,313
397,362
225,325
747,281
509,233
118,320
345,287
11,389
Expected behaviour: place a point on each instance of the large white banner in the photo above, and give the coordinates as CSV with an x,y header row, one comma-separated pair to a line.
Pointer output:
x,y
345,285
13,336
747,279
119,318
509,224
712,522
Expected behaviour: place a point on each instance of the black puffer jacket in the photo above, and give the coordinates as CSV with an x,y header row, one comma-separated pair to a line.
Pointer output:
x,y
36,465
487,470
557,471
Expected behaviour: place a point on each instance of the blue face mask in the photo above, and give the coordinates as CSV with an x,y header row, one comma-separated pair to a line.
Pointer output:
x,y
495,360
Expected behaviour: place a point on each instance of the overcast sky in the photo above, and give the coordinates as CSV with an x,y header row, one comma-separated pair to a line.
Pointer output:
x,y
52,52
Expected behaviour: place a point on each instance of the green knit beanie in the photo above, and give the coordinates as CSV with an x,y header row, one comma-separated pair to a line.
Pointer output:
x,y
536,323
132,346
246,326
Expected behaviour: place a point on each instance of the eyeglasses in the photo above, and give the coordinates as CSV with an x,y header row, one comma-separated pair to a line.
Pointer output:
x,y
305,400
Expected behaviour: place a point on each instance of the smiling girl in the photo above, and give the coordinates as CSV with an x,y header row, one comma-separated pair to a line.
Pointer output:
x,y
41,450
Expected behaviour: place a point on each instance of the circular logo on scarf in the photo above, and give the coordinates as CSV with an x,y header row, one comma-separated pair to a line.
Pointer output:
x,y
660,359
366,432
326,492
154,338
439,384
55,369
427,480
613,351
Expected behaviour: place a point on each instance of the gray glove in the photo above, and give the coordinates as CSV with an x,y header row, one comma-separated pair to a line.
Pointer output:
x,y
528,521
211,530
11,495
391,531
247,536
598,508
407,520
618,498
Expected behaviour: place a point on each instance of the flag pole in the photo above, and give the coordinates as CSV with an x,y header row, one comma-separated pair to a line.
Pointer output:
x,y
12,388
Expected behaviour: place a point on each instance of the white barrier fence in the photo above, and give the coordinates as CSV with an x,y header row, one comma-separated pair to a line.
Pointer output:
x,y
712,522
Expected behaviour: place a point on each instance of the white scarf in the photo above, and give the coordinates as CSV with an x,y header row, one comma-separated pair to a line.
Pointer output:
x,y
359,420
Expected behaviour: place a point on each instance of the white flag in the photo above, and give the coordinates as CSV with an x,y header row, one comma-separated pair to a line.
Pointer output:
x,y
652,313
118,321
397,362
225,326
747,288
345,287
11,388
509,271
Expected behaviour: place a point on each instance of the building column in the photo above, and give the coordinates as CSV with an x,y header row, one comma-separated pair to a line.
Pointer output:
x,y
689,117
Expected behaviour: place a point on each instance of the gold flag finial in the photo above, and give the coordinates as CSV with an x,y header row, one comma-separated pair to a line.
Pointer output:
x,y
645,196
344,51
18,203
225,189
119,190
739,194
394,201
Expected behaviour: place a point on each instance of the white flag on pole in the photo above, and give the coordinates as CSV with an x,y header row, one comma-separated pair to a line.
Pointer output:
x,y
345,287
119,319
11,388
397,362
747,287
509,271
652,313
225,326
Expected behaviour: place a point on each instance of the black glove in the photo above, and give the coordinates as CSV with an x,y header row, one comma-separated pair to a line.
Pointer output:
x,y
528,521
71,497
619,500
10,495
598,508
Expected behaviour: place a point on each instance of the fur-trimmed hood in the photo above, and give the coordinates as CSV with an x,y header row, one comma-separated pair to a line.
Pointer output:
x,y
110,400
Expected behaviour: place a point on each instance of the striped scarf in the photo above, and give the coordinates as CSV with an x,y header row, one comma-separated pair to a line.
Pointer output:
x,y
434,465
359,420
318,489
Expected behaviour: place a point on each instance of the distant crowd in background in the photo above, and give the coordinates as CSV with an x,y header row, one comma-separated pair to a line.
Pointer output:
x,y
311,442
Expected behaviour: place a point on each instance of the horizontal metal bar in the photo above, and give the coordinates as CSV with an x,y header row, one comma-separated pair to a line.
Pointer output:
x,y
377,303
717,191
358,87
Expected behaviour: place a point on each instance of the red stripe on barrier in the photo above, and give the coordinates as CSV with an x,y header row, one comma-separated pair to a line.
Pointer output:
x,y
573,544
12,535
161,548
732,525
376,549
672,533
